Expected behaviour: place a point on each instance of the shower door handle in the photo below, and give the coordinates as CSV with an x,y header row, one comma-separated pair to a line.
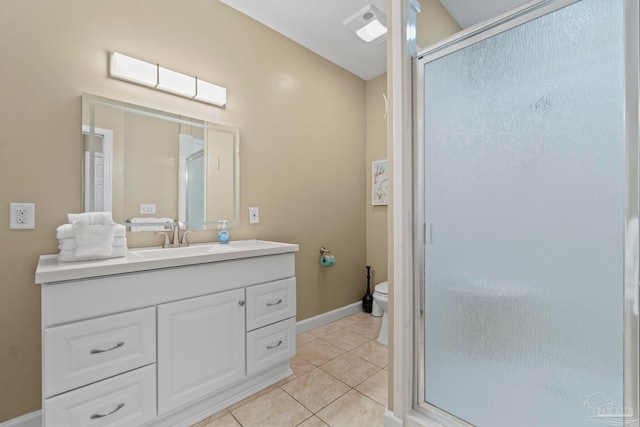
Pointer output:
x,y
428,233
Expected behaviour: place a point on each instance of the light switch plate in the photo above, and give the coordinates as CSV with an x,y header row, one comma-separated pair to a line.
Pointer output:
x,y
254,215
22,216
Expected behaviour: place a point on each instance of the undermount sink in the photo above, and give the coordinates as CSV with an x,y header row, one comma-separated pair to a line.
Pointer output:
x,y
163,253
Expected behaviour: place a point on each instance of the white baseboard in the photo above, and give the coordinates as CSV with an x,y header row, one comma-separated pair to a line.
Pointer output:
x,y
390,420
32,419
326,318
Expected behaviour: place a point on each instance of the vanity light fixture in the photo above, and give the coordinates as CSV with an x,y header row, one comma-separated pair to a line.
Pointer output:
x,y
369,24
176,83
134,70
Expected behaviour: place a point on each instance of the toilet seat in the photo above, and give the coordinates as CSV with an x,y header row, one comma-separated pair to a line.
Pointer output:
x,y
382,288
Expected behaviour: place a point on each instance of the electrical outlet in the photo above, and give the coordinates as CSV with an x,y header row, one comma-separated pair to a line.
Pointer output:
x,y
147,208
22,216
254,215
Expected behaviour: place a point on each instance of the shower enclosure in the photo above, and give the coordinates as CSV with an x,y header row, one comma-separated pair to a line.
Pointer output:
x,y
527,190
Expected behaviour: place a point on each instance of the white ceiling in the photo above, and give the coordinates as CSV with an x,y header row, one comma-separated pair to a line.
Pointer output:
x,y
318,26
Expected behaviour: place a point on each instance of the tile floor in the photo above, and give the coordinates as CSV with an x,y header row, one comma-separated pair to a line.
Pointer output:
x,y
339,379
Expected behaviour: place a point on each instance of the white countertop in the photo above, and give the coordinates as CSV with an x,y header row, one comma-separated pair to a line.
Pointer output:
x,y
51,270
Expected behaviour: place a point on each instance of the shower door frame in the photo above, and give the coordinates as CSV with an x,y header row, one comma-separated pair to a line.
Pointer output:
x,y
502,23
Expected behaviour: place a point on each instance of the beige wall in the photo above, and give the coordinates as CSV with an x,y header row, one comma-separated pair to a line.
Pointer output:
x,y
433,24
376,150
302,138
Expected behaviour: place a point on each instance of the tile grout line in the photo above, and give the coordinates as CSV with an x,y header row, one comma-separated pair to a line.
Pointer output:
x,y
379,369
338,379
360,325
315,414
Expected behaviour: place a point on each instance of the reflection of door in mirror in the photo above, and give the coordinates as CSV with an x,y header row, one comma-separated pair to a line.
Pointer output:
x,y
97,168
221,174
192,182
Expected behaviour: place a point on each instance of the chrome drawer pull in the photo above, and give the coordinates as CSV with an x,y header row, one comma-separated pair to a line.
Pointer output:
x,y
269,347
98,351
94,416
269,304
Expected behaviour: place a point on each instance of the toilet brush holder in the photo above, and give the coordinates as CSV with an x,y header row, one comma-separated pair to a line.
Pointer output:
x,y
367,300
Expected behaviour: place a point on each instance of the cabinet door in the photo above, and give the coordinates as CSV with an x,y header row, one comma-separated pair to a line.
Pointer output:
x,y
201,347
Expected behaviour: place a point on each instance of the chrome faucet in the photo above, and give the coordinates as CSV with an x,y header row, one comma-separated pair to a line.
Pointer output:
x,y
176,226
175,241
184,241
167,241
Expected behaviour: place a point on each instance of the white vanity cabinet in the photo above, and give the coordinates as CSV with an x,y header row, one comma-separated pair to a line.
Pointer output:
x,y
133,342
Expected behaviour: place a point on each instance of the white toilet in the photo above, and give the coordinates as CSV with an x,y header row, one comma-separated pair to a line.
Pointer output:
x,y
380,303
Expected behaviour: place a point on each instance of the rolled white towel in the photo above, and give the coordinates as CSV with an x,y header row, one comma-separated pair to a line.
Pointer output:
x,y
70,256
91,218
69,243
66,231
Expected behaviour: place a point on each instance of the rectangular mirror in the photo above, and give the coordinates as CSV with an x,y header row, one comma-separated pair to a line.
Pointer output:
x,y
143,164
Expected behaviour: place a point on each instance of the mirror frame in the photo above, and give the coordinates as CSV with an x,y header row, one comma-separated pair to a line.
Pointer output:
x,y
89,127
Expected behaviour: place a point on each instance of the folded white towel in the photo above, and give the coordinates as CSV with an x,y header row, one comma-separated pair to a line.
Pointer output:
x,y
70,256
69,243
157,224
91,218
66,231
93,240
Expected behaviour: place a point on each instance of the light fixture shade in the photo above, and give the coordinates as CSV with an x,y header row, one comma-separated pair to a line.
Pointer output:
x,y
369,24
178,83
124,67
210,93
128,68
371,31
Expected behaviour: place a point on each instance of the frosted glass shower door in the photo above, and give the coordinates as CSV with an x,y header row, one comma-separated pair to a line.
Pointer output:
x,y
524,196
195,190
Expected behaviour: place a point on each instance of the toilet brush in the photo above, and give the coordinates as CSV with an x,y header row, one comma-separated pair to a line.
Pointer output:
x,y
367,300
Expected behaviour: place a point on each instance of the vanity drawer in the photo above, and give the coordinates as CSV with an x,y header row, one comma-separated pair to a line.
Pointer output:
x,y
269,345
126,400
84,352
270,302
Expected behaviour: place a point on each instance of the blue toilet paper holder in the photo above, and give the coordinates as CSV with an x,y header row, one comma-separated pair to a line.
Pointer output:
x,y
326,259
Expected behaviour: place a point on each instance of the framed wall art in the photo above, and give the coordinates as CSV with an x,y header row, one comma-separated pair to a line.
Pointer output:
x,y
379,183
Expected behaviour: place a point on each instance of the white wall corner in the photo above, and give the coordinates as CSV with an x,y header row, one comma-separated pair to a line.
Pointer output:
x,y
401,142
390,420
32,419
